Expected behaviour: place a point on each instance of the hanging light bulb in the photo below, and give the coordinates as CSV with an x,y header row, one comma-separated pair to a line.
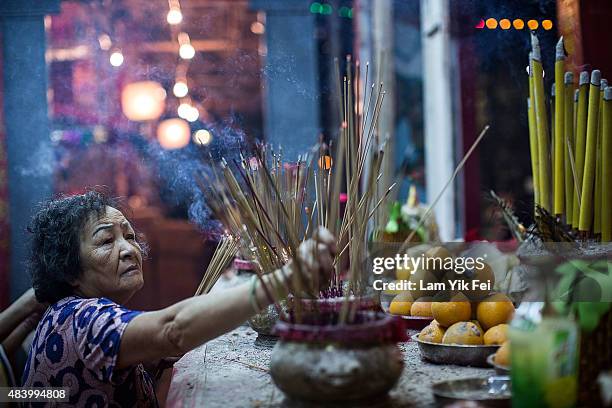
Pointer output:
x,y
174,16
202,137
180,89
257,27
183,110
192,114
142,101
116,58
186,51
173,133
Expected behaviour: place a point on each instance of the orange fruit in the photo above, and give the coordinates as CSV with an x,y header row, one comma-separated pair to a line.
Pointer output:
x,y
494,310
435,258
448,313
477,323
432,333
401,304
496,334
421,307
421,278
502,356
403,274
483,275
463,333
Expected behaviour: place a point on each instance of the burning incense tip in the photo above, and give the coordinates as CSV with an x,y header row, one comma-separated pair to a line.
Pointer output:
x,y
535,47
608,93
596,77
584,78
604,84
568,78
576,94
560,50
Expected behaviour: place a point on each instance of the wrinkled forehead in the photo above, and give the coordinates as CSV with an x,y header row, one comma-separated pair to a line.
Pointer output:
x,y
110,215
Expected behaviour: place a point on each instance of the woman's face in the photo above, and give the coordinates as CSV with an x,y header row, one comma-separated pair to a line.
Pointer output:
x,y
111,259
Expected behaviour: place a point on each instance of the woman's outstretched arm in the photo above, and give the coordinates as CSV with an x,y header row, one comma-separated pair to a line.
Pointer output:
x,y
185,325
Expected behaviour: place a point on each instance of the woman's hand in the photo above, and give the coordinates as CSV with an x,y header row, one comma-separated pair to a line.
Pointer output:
x,y
318,253
24,312
315,260
31,304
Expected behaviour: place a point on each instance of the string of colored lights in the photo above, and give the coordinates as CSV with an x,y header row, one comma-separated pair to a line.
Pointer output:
x,y
518,24
186,109
327,9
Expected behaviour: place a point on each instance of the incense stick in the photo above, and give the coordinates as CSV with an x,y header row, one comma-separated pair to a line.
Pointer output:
x,y
226,250
274,206
425,216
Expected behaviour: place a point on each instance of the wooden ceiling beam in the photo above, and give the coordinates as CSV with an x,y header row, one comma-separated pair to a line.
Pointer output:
x,y
199,45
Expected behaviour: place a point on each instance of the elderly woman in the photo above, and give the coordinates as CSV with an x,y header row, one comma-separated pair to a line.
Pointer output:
x,y
86,261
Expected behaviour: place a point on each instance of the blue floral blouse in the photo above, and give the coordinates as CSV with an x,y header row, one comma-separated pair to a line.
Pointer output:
x,y
76,346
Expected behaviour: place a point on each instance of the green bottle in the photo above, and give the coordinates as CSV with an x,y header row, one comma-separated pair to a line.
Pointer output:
x,y
544,357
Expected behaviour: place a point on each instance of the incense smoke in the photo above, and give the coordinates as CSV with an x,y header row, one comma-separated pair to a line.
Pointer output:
x,y
180,170
41,163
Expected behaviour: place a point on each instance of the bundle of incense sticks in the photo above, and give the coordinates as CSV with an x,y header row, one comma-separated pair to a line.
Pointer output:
x,y
571,162
271,206
226,250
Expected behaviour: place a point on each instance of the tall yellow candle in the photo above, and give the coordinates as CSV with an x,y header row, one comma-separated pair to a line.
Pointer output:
x,y
568,145
606,167
598,169
580,135
559,172
588,177
533,139
533,147
551,103
541,124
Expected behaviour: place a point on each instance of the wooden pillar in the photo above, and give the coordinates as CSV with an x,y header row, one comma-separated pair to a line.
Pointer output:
x,y
27,123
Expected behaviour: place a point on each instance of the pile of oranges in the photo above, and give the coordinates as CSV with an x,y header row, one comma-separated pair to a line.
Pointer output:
x,y
472,317
460,321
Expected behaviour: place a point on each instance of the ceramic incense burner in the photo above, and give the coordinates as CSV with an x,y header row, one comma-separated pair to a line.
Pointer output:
x,y
321,360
